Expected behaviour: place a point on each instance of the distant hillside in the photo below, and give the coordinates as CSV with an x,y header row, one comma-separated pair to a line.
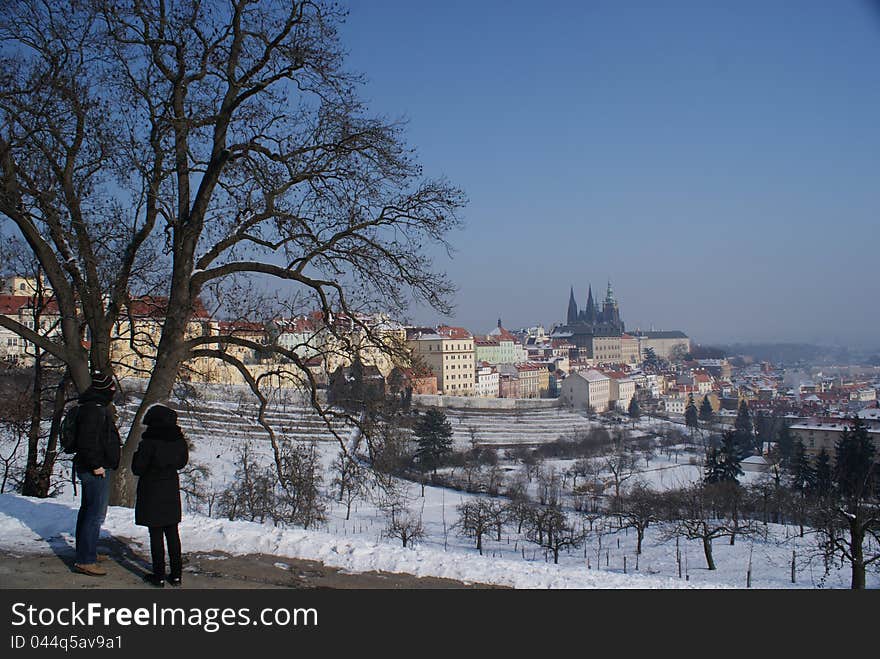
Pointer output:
x,y
791,353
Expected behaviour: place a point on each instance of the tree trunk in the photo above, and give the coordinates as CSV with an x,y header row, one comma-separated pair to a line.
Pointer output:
x,y
31,486
122,491
857,538
707,549
39,481
640,535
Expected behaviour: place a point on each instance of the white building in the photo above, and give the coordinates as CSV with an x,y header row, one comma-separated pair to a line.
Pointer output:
x,y
487,382
586,389
621,391
675,405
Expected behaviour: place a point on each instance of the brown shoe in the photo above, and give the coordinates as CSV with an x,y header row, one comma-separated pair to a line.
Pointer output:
x,y
92,569
103,557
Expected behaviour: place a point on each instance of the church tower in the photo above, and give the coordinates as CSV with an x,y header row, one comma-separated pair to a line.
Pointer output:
x,y
590,310
610,310
572,308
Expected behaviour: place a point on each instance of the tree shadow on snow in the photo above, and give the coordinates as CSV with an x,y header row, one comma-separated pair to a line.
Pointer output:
x,y
55,524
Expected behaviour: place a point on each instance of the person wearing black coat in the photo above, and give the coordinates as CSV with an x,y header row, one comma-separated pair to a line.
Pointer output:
x,y
97,456
161,453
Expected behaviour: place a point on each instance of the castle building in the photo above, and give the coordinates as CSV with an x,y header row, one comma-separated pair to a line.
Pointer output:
x,y
595,330
600,335
602,319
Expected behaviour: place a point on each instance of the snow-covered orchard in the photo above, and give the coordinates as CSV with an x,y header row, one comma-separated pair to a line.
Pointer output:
x,y
220,422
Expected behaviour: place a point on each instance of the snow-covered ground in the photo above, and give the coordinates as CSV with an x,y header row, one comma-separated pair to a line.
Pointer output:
x,y
359,544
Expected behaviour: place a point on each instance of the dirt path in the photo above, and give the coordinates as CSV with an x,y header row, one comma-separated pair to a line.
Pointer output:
x,y
201,570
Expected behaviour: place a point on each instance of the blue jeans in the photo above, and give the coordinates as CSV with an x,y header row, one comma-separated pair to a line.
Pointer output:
x,y
92,511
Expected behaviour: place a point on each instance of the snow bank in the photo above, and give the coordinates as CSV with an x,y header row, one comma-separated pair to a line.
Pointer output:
x,y
34,525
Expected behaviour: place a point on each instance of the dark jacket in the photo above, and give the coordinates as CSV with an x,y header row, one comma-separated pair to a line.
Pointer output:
x,y
160,454
97,438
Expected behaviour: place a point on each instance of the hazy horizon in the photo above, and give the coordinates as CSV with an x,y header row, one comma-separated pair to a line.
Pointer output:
x,y
716,161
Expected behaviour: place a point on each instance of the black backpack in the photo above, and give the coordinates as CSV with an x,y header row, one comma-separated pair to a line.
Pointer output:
x,y
68,430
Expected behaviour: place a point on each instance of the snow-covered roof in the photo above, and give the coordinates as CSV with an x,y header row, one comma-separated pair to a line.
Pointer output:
x,y
591,375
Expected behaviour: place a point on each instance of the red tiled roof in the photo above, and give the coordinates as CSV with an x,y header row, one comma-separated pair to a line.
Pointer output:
x,y
242,326
417,372
11,305
156,306
453,332
527,366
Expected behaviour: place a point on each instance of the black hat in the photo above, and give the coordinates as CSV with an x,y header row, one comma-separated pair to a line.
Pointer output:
x,y
159,415
102,381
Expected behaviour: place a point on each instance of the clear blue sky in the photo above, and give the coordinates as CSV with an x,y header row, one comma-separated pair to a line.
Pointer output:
x,y
719,161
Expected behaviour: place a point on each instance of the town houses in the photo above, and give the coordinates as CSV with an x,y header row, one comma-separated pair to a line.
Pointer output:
x,y
590,362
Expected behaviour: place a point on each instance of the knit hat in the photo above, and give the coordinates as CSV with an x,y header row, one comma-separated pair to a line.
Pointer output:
x,y
101,381
159,415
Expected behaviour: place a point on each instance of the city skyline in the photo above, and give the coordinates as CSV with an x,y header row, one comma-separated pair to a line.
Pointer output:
x,y
716,161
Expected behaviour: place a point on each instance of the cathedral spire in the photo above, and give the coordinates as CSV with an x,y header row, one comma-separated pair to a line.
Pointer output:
x,y
590,311
609,295
572,308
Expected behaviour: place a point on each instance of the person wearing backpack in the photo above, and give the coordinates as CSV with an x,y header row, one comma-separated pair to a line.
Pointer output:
x,y
161,453
98,450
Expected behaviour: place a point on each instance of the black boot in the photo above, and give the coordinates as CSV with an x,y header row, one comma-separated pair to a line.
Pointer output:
x,y
153,580
173,581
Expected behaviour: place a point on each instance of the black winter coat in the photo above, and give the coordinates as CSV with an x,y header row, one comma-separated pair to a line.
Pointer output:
x,y
160,454
97,439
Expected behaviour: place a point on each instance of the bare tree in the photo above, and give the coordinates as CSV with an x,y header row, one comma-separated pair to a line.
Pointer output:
x,y
638,509
694,513
847,518
194,485
622,467
249,495
518,508
299,499
587,468
237,147
549,487
14,424
550,528
401,522
349,480
477,518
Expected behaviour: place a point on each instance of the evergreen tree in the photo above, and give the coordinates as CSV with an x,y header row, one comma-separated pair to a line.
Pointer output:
x,y
691,416
765,428
707,415
854,468
712,468
634,411
822,474
434,434
744,428
723,464
785,446
803,476
849,517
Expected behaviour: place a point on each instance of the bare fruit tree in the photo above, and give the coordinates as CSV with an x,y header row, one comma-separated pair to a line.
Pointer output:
x,y
479,517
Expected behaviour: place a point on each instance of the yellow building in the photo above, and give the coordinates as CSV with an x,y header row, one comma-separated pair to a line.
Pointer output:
x,y
449,352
